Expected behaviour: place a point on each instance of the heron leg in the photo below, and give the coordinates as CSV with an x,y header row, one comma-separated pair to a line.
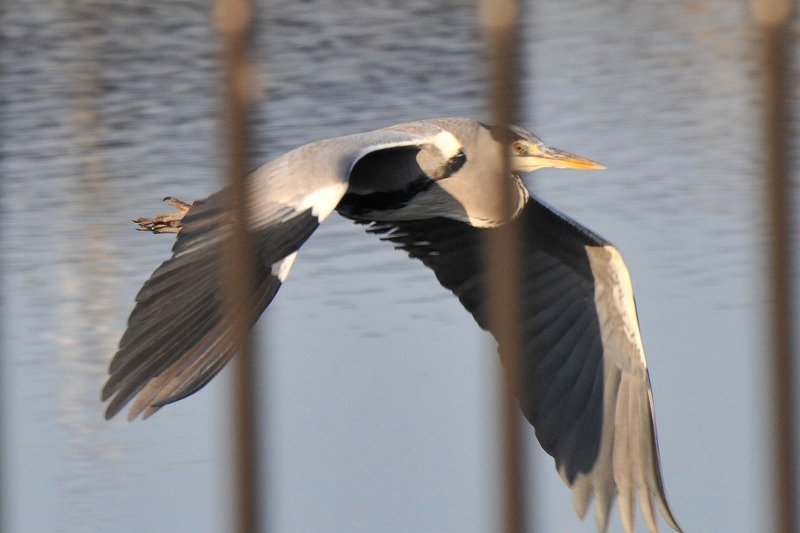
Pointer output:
x,y
169,223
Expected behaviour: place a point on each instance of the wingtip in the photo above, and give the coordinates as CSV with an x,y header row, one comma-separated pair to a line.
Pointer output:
x,y
106,392
670,518
115,406
602,510
150,411
110,412
113,382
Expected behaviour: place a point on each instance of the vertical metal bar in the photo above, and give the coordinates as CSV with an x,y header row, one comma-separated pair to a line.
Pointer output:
x,y
3,387
233,18
499,19
773,16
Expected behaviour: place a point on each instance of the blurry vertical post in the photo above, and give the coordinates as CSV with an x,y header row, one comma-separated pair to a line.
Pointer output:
x,y
503,258
773,17
3,387
233,19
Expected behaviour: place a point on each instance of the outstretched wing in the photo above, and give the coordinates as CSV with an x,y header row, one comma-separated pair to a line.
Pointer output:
x,y
177,337
585,386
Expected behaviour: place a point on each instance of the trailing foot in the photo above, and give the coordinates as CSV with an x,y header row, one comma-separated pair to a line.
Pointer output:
x,y
169,223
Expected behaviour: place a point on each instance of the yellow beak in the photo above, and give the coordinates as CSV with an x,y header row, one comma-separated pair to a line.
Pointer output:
x,y
555,158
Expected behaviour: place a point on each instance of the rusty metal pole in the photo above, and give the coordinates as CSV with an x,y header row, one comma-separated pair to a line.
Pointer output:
x,y
502,257
773,17
233,19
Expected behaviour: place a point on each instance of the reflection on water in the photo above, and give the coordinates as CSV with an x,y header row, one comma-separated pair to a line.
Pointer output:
x,y
379,386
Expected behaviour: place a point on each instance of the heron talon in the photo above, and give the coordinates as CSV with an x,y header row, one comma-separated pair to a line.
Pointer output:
x,y
169,223
178,204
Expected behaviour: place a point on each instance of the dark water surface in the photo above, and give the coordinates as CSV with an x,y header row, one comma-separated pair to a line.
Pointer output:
x,y
378,387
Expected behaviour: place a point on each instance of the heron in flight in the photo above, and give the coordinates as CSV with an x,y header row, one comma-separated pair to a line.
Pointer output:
x,y
426,187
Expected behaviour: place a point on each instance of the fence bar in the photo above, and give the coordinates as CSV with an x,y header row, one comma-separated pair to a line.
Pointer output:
x,y
3,385
503,260
233,18
773,17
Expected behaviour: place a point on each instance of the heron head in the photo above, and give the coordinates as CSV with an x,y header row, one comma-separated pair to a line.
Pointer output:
x,y
529,153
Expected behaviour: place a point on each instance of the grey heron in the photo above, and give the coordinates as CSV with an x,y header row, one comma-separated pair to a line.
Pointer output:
x,y
423,186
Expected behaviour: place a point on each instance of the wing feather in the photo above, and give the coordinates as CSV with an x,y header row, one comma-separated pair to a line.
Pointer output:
x,y
177,337
585,384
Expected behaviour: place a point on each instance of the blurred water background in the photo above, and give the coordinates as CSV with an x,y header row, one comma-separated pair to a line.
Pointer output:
x,y
378,388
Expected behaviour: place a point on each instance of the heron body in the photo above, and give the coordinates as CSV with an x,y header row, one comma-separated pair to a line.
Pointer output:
x,y
427,187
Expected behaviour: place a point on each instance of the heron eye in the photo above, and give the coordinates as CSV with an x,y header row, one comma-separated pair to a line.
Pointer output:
x,y
519,147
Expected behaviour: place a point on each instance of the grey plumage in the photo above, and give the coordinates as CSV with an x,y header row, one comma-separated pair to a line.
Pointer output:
x,y
423,186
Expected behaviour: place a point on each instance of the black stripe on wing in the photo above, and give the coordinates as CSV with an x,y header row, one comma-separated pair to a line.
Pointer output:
x,y
563,358
177,338
389,179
